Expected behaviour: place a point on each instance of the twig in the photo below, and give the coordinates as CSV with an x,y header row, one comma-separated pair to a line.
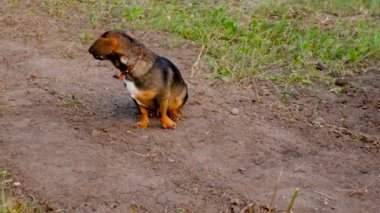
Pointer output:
x,y
256,90
325,195
196,63
76,107
299,167
295,194
147,155
6,106
248,207
91,110
275,191
360,190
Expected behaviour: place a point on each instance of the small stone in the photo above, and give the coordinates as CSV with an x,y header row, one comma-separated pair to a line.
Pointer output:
x,y
235,111
16,183
337,133
235,202
341,82
171,160
346,132
265,92
241,170
195,190
320,120
321,66
225,194
95,133
235,209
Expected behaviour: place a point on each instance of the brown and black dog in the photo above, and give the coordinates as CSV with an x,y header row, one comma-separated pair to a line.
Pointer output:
x,y
154,82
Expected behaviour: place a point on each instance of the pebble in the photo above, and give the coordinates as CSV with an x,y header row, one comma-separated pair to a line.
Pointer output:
x,y
346,131
95,133
341,82
321,66
235,201
320,120
235,111
195,190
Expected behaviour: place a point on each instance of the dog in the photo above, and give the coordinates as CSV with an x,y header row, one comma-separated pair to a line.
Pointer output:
x,y
154,82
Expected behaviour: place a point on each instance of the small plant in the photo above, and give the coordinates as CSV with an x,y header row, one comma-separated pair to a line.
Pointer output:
x,y
133,13
361,138
10,204
94,19
85,37
70,100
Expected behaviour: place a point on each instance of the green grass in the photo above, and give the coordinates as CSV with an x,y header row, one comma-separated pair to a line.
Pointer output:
x,y
290,37
281,40
11,204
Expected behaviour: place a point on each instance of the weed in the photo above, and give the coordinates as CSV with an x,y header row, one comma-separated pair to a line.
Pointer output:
x,y
94,19
11,204
362,138
85,37
70,100
133,208
12,3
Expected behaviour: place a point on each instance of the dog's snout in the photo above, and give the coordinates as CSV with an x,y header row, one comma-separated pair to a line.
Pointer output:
x,y
98,57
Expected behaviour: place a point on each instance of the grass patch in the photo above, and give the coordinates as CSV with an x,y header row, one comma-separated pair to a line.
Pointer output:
x,y
10,203
282,40
290,37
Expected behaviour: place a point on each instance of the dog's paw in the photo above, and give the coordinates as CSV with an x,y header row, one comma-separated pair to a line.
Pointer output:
x,y
175,116
142,124
167,123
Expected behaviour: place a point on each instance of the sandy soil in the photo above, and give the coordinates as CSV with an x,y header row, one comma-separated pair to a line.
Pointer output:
x,y
67,133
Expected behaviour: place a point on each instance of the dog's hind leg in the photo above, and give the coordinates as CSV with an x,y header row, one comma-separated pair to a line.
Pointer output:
x,y
173,110
175,106
166,122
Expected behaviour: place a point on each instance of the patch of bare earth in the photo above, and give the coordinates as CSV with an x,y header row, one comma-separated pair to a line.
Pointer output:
x,y
67,133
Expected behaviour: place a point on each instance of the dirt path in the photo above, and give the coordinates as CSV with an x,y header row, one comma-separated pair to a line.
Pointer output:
x,y
67,134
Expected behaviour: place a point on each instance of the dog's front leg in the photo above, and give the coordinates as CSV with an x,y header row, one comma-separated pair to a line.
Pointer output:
x,y
166,122
144,120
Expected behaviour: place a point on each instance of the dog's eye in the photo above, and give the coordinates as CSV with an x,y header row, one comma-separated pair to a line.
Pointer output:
x,y
112,56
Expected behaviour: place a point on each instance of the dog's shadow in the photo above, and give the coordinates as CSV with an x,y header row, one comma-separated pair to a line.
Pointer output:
x,y
122,109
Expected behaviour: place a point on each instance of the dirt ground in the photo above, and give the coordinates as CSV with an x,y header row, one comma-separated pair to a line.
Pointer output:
x,y
67,133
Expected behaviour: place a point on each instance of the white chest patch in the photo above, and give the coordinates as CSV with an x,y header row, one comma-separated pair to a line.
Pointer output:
x,y
132,89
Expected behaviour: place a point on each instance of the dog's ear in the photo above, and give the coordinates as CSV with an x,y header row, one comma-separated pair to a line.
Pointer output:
x,y
104,46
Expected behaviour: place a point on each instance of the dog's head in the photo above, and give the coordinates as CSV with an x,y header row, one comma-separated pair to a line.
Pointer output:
x,y
107,46
113,45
